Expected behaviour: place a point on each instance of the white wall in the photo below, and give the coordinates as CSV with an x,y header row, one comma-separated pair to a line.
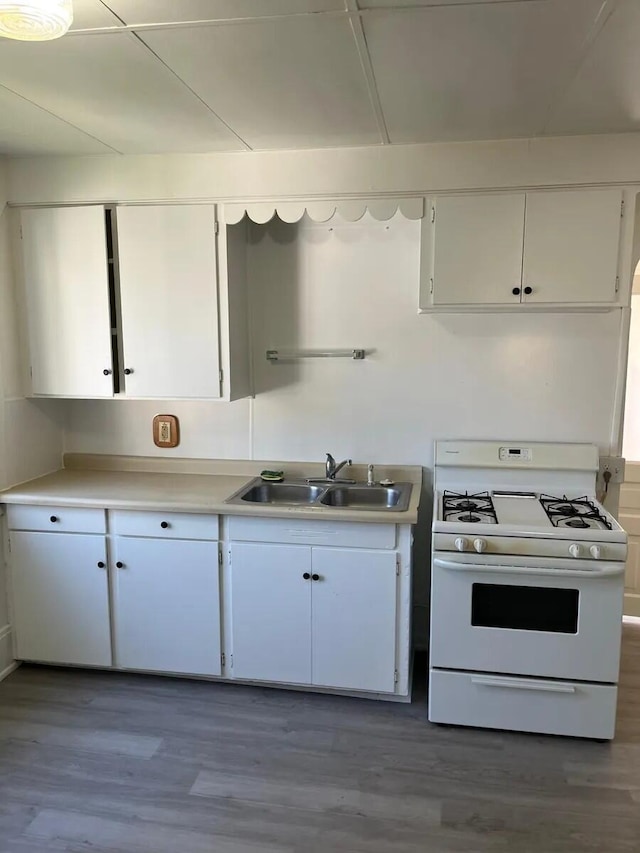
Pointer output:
x,y
31,433
631,438
393,169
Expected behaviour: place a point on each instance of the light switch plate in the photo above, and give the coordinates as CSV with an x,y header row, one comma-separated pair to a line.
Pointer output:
x,y
166,431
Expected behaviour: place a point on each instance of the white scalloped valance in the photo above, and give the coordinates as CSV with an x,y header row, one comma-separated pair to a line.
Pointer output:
x,y
322,211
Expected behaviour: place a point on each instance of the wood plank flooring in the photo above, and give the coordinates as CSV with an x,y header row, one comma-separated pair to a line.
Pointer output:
x,y
99,762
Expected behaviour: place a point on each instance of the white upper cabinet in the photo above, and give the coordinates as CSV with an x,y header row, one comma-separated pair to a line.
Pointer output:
x,y
571,245
142,301
67,296
541,249
477,249
169,298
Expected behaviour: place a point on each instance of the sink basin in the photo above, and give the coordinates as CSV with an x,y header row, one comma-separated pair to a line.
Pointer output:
x,y
368,497
282,493
330,494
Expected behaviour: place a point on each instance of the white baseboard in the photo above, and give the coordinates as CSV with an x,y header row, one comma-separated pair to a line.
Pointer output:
x,y
7,662
631,604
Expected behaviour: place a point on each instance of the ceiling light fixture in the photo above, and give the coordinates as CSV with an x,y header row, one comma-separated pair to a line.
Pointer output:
x,y
35,20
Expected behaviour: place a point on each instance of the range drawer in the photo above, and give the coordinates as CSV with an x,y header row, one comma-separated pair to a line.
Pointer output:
x,y
522,704
298,531
164,525
54,519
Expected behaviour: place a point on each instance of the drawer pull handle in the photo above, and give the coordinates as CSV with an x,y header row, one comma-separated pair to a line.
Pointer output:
x,y
315,577
306,576
119,565
100,564
541,686
164,524
53,519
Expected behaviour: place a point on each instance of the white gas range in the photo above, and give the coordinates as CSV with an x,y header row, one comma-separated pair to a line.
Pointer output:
x,y
527,590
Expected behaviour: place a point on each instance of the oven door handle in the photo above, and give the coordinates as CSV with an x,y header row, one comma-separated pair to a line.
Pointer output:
x,y
521,684
604,572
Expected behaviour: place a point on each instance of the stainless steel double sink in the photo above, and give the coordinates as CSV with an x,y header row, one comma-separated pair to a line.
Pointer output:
x,y
330,494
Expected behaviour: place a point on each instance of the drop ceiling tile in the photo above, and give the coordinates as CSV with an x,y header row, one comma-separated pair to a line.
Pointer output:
x,y
92,13
478,71
605,94
26,129
290,83
163,11
113,88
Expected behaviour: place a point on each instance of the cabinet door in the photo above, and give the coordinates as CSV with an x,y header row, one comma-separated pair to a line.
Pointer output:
x,y
571,246
67,292
60,598
477,249
271,612
353,619
167,605
169,298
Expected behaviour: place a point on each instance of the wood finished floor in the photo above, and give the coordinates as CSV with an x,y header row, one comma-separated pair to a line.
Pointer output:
x,y
101,762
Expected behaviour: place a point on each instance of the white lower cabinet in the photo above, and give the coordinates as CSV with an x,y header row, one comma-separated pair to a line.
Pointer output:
x,y
271,612
308,615
353,619
166,604
60,598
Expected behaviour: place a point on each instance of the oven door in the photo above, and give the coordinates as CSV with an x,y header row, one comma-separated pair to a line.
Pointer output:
x,y
551,618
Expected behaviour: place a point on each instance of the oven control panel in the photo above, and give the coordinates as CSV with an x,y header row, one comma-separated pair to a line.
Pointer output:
x,y
515,454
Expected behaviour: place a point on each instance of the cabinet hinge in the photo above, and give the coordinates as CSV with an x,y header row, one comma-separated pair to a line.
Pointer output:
x,y
398,565
622,209
21,232
216,227
220,556
31,371
395,676
229,557
223,659
231,661
433,214
221,376
431,280
617,283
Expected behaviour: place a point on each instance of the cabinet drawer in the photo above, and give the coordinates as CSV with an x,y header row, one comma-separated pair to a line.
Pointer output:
x,y
522,704
339,533
56,519
164,525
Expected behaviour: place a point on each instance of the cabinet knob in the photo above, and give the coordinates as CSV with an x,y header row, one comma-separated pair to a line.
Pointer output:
x,y
128,371
53,519
516,291
306,576
119,565
164,524
315,577
528,290
107,372
100,564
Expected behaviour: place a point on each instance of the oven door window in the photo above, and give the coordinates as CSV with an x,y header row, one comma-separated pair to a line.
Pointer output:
x,y
529,608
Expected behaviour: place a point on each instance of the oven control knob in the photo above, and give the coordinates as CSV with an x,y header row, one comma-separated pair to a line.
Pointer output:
x,y
574,549
480,545
461,543
595,551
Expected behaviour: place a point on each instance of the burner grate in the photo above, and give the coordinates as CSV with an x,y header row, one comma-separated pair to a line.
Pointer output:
x,y
574,513
468,509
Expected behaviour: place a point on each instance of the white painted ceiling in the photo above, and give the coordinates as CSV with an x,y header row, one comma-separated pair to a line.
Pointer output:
x,y
147,76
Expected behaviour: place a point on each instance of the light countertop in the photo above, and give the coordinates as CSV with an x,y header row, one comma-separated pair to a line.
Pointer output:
x,y
177,491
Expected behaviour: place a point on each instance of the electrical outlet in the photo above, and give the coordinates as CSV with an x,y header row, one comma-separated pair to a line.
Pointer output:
x,y
613,464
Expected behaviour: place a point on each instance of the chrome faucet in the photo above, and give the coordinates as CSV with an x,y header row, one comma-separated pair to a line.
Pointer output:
x,y
331,468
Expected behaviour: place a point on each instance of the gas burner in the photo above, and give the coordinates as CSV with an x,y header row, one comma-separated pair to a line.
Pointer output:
x,y
468,509
578,513
576,522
